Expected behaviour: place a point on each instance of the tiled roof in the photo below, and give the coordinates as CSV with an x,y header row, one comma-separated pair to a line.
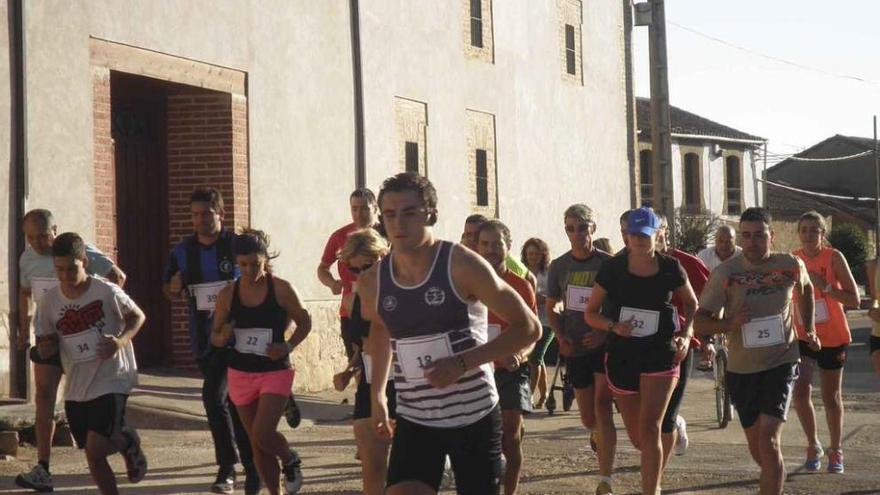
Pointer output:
x,y
684,122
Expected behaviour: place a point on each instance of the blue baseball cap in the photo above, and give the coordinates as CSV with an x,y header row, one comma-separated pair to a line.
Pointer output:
x,y
642,221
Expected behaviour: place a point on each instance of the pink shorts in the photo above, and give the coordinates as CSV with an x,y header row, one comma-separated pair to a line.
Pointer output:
x,y
245,387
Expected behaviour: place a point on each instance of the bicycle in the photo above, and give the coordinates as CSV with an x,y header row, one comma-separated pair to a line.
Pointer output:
x,y
723,406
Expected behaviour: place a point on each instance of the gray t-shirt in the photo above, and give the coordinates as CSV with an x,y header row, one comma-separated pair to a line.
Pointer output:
x,y
32,264
571,281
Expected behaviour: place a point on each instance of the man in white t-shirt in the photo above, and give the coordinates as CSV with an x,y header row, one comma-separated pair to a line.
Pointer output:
x,y
36,277
90,323
725,248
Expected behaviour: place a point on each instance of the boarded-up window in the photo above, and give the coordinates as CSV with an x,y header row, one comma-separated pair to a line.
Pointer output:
x,y
412,156
692,182
646,179
733,179
482,179
570,59
476,23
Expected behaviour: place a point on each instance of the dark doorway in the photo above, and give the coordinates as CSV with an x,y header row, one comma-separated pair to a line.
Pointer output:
x,y
138,124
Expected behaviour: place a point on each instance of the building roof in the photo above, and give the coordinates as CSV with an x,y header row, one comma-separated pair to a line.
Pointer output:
x,y
687,123
787,204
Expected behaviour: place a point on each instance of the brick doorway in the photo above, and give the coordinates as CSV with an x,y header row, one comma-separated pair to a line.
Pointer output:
x,y
156,140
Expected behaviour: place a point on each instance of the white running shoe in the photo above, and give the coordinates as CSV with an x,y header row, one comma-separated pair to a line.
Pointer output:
x,y
681,444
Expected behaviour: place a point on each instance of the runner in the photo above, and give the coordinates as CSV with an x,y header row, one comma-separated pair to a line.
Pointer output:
x,y
363,249
833,287
37,276
724,248
632,300
469,239
570,281
755,291
362,203
90,323
257,310
536,256
511,372
427,302
198,268
674,427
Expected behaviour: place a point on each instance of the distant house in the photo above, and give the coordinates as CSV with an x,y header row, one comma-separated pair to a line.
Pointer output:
x,y
820,169
713,165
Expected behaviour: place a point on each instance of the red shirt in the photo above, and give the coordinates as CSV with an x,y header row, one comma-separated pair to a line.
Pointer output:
x,y
331,254
525,290
697,273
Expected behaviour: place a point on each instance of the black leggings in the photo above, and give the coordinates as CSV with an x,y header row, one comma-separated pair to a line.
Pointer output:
x,y
668,425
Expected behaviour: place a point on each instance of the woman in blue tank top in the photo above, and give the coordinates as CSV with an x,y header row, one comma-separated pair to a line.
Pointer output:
x,y
257,311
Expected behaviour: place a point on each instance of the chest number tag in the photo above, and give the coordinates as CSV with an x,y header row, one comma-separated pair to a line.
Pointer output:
x,y
253,340
206,294
82,347
645,322
576,297
763,332
417,353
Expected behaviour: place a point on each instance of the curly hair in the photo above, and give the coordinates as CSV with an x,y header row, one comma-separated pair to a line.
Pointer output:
x,y
542,247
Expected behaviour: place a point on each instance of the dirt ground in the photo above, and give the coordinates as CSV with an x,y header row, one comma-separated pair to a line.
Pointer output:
x,y
167,411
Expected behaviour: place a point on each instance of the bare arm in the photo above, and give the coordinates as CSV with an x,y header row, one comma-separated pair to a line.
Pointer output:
x,y
689,305
24,318
116,275
848,294
803,292
327,278
134,320
221,331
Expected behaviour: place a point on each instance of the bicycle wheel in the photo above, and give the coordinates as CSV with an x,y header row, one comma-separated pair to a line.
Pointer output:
x,y
722,394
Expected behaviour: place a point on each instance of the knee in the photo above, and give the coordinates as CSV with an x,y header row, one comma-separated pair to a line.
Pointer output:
x,y
95,454
801,394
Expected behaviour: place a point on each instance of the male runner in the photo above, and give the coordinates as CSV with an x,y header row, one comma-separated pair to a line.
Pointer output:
x,y
512,372
725,248
198,268
469,239
36,277
756,292
570,281
427,302
91,324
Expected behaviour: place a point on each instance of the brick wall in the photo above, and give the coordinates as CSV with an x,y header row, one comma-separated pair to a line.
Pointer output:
x,y
207,146
105,171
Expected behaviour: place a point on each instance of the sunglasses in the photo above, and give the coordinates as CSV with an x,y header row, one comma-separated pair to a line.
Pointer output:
x,y
580,228
357,270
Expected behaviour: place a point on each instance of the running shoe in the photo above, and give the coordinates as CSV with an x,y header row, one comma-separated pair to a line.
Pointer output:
x,y
292,413
36,479
603,488
252,484
704,366
814,462
135,460
293,478
682,442
225,481
835,461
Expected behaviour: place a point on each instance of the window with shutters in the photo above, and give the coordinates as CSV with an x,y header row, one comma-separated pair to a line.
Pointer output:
x,y
570,22
482,164
477,29
411,120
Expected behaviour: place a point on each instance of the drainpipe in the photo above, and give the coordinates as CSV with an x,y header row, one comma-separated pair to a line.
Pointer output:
x,y
360,167
18,364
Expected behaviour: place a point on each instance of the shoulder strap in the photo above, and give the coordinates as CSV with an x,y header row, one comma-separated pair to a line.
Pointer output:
x,y
193,272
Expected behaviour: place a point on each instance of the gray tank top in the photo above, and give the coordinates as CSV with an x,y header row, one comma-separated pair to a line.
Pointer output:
x,y
427,322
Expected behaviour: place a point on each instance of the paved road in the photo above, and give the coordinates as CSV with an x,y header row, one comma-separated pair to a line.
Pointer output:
x,y
166,409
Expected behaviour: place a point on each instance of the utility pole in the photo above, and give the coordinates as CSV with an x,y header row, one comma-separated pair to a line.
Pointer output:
x,y
877,191
661,139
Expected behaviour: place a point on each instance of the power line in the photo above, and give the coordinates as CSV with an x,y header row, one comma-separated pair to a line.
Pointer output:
x,y
814,193
774,58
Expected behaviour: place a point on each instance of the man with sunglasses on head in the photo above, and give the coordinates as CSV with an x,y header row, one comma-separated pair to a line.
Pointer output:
x,y
570,281
428,302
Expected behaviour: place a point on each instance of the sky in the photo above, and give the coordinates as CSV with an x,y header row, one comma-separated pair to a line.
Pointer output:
x,y
793,107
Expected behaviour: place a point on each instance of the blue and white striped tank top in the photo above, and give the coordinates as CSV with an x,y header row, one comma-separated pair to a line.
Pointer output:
x,y
427,322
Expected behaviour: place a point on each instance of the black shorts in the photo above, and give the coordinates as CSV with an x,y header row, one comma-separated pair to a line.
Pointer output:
x,y
514,390
580,369
349,340
54,360
828,358
418,453
873,344
625,367
104,415
362,401
765,392
668,424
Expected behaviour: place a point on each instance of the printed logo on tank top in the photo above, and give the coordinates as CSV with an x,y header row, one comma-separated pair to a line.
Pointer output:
x,y
75,319
435,296
225,266
389,303
763,283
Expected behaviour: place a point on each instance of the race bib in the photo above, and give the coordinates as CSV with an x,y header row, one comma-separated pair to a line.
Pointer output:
x,y
644,321
416,353
253,340
368,366
821,311
576,297
763,332
494,331
40,286
83,346
206,294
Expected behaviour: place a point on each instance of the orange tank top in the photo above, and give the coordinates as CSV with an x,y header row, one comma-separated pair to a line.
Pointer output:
x,y
830,319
